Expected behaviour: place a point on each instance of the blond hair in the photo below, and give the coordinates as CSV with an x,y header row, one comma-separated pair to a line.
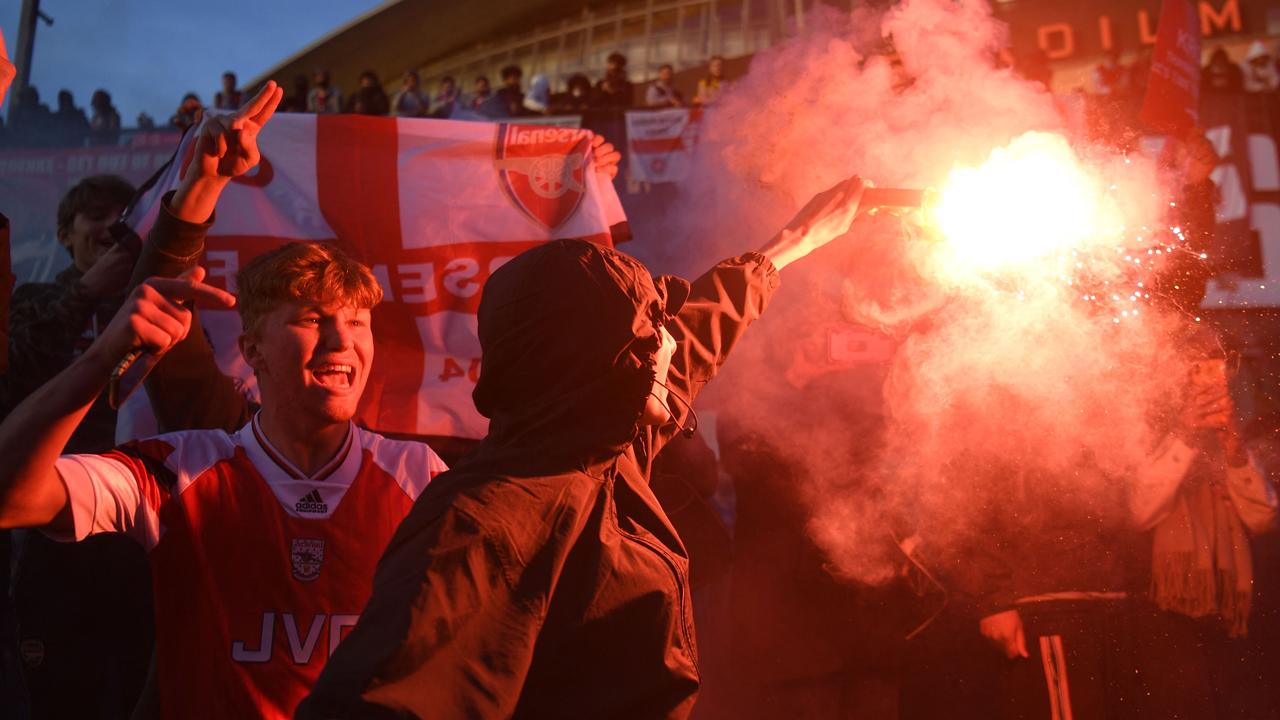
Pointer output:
x,y
303,272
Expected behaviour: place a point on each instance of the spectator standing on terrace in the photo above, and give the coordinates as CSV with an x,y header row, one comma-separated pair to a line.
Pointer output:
x,y
447,98
615,91
323,97
296,101
1221,75
82,659
662,92
508,102
369,98
71,123
409,101
31,123
146,122
576,100
709,87
229,97
1260,73
104,125
538,100
480,93
188,113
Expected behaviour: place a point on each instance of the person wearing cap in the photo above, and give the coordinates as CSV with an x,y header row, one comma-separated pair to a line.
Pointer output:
x,y
540,577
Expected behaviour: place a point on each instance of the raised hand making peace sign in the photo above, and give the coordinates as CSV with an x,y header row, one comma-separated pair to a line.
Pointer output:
x,y
228,144
226,148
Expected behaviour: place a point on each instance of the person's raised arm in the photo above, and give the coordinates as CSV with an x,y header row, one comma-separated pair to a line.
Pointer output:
x,y
34,434
187,389
733,294
227,148
824,218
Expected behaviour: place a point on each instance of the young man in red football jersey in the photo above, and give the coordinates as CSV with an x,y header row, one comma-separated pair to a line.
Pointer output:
x,y
262,542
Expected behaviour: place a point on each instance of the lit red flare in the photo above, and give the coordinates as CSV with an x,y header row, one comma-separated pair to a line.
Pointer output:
x,y
1030,199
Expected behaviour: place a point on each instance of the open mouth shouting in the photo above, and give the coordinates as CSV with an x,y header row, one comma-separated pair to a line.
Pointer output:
x,y
334,375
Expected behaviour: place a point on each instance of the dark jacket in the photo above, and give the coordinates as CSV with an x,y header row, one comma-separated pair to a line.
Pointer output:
x,y
540,577
186,388
1043,534
50,324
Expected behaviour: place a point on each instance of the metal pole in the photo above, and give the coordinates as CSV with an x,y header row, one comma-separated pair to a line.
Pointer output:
x,y
23,51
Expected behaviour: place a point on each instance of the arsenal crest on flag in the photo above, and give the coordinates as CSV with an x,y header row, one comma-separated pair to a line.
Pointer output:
x,y
543,170
432,207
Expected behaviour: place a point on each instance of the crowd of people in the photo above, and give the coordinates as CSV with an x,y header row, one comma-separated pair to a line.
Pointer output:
x,y
555,569
1120,86
1113,83
512,98
34,125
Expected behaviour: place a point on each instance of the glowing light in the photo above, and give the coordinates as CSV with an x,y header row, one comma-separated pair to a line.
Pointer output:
x,y
1031,198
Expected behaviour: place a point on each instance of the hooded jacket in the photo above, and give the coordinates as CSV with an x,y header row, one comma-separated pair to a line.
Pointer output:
x,y
539,577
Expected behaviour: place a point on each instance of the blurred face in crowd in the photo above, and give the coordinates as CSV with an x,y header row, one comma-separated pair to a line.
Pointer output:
x,y
411,81
368,80
511,80
448,87
88,236
312,361
716,67
666,74
482,86
229,83
320,78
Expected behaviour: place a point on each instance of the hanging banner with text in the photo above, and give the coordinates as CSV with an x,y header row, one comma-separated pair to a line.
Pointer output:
x,y
660,143
1172,103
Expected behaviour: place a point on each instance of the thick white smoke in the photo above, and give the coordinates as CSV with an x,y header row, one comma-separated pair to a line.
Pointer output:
x,y
1021,365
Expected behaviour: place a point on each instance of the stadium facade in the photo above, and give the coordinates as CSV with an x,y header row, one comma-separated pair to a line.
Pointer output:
x,y
559,39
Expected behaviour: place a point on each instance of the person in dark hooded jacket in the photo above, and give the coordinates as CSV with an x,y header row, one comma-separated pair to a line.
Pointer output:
x,y
539,577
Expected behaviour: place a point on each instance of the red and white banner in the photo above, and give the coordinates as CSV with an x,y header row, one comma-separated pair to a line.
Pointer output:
x,y
433,207
1172,103
660,143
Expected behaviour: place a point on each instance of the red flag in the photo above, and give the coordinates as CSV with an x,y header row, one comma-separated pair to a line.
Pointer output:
x,y
433,207
1172,104
7,71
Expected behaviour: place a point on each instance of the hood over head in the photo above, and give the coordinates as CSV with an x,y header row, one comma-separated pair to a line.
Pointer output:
x,y
569,337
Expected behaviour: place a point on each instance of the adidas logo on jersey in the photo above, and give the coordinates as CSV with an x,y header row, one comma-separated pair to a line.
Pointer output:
x,y
312,503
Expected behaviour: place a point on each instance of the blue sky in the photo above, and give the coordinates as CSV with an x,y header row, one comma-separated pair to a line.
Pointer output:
x,y
149,53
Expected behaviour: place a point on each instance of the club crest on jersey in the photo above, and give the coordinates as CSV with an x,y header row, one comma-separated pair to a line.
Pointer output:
x,y
543,170
312,504
307,555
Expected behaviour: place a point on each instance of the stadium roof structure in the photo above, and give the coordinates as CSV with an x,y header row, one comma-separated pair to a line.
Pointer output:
x,y
404,34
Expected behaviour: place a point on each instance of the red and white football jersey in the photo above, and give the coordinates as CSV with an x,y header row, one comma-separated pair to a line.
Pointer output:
x,y
258,569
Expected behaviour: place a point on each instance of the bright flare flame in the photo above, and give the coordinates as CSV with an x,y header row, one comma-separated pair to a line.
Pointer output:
x,y
1030,199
